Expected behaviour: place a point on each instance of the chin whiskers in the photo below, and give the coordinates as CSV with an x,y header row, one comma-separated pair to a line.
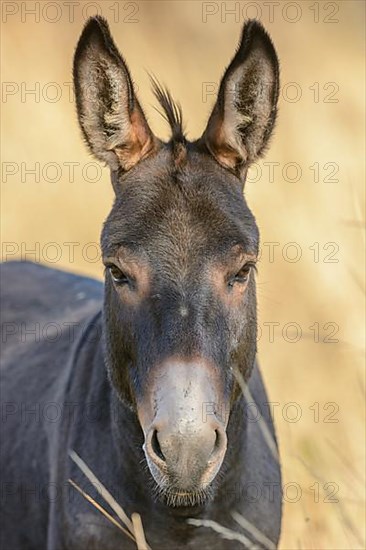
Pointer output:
x,y
174,497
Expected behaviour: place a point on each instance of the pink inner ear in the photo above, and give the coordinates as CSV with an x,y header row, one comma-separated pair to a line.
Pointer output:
x,y
139,128
218,144
140,142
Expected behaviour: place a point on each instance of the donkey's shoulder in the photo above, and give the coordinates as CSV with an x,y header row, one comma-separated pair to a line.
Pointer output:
x,y
31,292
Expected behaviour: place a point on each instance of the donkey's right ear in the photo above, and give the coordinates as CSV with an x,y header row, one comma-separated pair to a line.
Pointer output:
x,y
111,119
244,115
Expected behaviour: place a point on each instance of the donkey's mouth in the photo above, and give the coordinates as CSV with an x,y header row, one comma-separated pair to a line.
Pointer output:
x,y
176,498
176,492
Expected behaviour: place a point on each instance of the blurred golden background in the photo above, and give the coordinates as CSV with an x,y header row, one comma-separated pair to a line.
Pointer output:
x,y
307,195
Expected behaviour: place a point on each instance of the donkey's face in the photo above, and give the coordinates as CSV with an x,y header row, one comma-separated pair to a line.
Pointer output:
x,y
180,248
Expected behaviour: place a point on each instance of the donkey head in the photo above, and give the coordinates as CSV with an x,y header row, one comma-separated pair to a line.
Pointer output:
x,y
180,246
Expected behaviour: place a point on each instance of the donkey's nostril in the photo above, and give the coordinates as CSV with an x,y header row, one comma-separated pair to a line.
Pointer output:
x,y
156,446
218,445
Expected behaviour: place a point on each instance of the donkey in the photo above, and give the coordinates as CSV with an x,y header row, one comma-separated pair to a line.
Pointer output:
x,y
149,384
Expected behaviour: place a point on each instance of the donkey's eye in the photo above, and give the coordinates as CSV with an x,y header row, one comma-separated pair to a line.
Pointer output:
x,y
242,275
117,275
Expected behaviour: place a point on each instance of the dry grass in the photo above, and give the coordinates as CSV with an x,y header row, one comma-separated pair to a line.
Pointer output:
x,y
132,528
173,42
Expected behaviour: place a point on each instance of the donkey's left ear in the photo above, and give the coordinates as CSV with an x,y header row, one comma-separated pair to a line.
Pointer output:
x,y
110,116
245,112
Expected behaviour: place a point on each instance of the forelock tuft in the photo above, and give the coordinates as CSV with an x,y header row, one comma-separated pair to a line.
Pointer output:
x,y
172,111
